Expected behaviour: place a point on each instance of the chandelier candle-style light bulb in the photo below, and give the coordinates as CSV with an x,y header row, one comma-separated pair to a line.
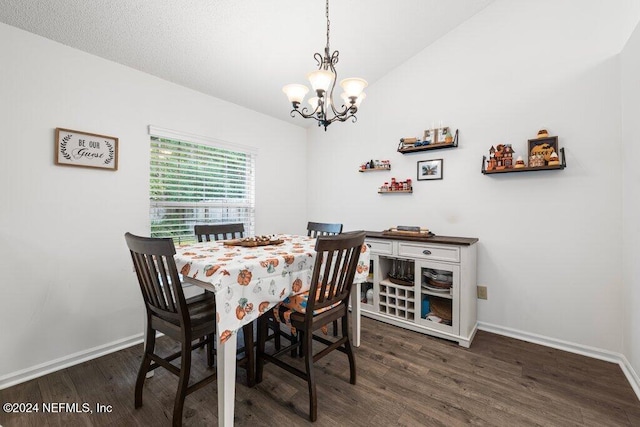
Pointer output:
x,y
323,81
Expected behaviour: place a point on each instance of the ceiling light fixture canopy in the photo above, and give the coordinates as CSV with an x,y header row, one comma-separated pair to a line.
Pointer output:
x,y
323,81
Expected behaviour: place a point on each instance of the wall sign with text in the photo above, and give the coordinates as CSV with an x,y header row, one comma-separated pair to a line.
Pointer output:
x,y
75,148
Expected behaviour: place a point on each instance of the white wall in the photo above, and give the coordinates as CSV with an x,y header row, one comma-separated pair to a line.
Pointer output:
x,y
550,242
68,284
631,198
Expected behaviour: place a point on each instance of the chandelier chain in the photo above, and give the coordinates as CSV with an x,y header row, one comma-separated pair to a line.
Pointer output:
x,y
327,13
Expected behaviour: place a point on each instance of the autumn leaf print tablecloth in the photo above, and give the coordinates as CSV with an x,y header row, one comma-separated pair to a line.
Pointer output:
x,y
248,281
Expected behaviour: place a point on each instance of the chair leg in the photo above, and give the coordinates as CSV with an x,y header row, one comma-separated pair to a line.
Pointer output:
x,y
275,327
209,349
248,353
335,328
349,349
294,339
262,337
183,383
307,346
149,347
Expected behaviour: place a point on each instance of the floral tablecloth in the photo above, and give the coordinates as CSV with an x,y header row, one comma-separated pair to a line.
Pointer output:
x,y
248,281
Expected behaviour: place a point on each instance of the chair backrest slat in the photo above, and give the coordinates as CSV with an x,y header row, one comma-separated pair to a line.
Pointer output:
x,y
315,229
334,270
158,276
204,232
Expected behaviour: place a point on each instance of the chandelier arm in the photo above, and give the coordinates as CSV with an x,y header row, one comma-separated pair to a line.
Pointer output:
x,y
343,118
302,113
319,59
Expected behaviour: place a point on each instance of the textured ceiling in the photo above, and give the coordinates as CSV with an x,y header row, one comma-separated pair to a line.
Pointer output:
x,y
243,51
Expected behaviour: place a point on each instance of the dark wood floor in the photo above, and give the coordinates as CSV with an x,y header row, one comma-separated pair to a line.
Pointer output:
x,y
404,379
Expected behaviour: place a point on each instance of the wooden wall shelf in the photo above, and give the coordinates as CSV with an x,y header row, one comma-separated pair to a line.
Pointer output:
x,y
374,170
562,165
428,147
395,191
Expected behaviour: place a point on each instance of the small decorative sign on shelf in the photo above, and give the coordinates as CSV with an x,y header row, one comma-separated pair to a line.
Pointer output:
x,y
90,150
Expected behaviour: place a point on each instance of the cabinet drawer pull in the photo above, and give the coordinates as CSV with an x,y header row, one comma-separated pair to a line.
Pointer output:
x,y
426,252
369,245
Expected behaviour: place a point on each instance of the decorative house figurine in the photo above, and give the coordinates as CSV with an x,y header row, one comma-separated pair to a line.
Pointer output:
x,y
507,160
519,163
491,163
499,157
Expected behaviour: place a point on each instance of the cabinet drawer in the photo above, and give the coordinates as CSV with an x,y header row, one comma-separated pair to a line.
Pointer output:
x,y
384,247
439,253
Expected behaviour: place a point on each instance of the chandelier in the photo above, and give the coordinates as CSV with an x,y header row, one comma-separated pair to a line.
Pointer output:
x,y
323,80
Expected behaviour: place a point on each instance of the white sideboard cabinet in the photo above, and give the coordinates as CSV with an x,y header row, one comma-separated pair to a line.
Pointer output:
x,y
425,284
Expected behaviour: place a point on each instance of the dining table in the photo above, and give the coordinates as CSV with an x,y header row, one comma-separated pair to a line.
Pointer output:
x,y
249,277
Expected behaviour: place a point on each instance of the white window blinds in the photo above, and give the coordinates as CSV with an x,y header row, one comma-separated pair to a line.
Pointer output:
x,y
199,183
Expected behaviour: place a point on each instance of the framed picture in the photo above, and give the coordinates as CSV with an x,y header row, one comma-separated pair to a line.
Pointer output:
x,y
429,169
545,146
89,150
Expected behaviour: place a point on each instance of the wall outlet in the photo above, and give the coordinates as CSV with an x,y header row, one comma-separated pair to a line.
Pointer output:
x,y
482,292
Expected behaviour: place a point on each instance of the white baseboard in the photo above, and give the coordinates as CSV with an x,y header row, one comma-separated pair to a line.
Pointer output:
x,y
64,362
596,353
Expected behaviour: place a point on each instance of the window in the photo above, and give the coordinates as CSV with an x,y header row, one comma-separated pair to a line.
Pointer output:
x,y
195,181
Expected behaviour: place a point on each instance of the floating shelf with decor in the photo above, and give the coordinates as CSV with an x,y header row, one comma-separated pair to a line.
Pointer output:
x,y
542,156
395,191
374,169
396,187
377,166
405,148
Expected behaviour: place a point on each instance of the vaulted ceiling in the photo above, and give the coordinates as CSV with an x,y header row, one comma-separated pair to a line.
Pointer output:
x,y
243,51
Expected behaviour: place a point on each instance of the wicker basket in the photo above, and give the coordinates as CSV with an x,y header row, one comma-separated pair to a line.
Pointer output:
x,y
440,307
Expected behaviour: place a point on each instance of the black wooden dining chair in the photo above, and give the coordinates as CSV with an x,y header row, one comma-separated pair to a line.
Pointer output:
x,y
205,232
326,301
315,229
169,312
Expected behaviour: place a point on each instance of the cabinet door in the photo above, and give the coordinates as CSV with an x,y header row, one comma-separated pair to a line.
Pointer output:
x,y
438,300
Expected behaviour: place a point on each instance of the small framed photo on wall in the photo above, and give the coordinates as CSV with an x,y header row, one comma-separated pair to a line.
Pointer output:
x,y
429,169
